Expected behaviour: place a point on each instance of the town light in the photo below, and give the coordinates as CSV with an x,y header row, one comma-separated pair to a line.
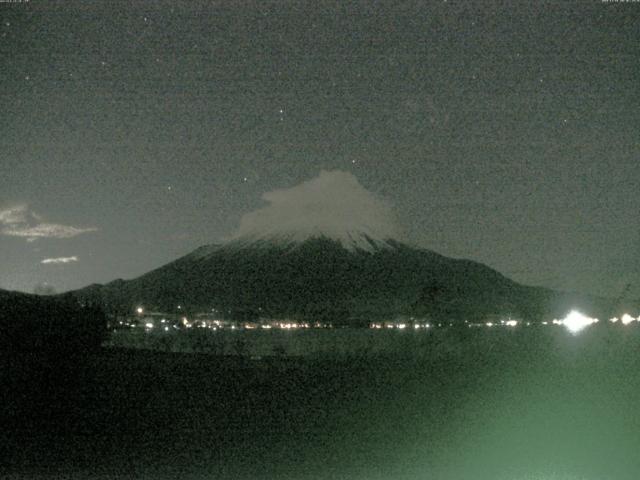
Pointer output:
x,y
575,321
627,319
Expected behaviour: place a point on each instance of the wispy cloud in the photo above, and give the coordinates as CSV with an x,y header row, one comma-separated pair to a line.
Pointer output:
x,y
60,260
14,215
19,221
46,230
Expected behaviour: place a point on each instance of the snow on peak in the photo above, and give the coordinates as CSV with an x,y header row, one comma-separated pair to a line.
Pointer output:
x,y
332,205
352,241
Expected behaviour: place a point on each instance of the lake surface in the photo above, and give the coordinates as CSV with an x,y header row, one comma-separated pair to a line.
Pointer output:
x,y
537,403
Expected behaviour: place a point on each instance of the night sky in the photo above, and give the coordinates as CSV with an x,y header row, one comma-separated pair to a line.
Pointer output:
x,y
504,132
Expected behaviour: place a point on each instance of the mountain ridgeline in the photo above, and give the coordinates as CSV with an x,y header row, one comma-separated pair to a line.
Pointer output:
x,y
322,279
54,324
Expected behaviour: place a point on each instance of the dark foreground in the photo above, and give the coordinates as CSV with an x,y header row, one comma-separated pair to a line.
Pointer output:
x,y
493,404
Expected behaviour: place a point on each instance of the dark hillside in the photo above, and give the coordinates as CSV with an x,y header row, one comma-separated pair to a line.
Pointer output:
x,y
319,279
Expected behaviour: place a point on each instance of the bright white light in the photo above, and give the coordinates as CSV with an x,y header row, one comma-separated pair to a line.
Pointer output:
x,y
489,324
575,321
139,310
148,325
627,319
402,326
511,323
613,320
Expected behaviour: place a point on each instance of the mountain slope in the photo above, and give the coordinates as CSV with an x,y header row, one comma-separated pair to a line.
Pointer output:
x,y
321,278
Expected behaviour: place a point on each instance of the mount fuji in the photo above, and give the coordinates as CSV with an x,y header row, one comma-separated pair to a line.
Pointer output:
x,y
351,279
329,250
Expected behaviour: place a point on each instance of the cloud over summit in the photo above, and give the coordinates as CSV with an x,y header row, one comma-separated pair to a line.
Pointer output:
x,y
333,204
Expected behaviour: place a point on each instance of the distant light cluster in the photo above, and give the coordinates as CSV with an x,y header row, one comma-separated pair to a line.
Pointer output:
x,y
574,322
150,321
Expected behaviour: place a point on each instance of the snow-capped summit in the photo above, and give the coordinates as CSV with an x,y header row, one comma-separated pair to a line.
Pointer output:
x,y
333,205
350,241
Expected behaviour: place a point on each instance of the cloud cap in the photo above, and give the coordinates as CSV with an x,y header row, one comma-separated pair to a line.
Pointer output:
x,y
333,204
